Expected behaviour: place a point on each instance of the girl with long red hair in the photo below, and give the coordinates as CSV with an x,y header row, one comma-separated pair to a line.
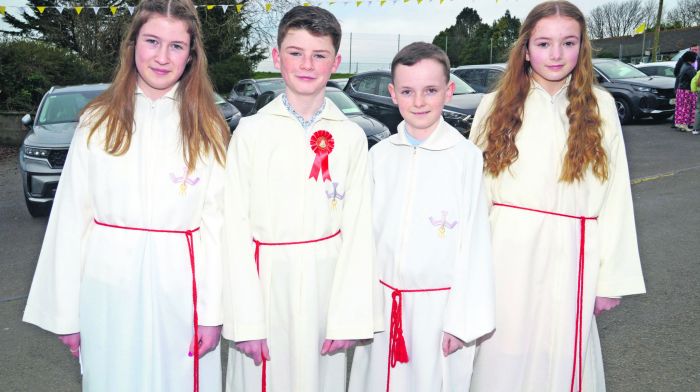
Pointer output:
x,y
564,241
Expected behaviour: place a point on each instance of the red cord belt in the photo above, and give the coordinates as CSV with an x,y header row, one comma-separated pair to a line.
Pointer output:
x,y
578,334
195,322
397,343
258,244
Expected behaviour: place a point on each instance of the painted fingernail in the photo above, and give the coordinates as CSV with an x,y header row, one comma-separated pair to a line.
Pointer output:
x,y
189,354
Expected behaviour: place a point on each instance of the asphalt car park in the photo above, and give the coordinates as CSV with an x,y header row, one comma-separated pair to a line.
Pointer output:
x,y
650,342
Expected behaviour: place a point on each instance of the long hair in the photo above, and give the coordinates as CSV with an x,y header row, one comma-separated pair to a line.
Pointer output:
x,y
203,129
503,122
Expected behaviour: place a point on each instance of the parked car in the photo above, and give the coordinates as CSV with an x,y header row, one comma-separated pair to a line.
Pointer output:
x,y
482,78
636,94
245,92
45,147
661,68
337,83
370,90
374,130
231,114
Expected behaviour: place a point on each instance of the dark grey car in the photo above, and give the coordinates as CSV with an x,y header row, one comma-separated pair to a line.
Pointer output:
x,y
45,147
370,90
245,92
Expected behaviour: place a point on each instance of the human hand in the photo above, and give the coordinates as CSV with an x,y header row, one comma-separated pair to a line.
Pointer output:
x,y
450,343
208,339
255,349
333,346
604,303
73,342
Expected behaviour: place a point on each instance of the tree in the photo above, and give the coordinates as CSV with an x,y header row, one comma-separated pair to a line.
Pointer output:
x,y
685,14
504,32
30,67
93,37
456,37
617,19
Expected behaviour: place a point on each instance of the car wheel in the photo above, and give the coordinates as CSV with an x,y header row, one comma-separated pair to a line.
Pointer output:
x,y
38,210
661,117
623,110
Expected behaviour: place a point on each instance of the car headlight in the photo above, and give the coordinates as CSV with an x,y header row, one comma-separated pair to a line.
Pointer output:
x,y
646,89
34,152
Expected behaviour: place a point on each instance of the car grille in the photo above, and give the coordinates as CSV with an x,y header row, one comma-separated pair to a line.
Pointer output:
x,y
667,93
57,158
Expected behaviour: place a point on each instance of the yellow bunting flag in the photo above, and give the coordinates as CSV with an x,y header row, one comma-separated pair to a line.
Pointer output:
x,y
419,1
406,1
239,7
113,9
2,9
306,4
41,9
357,3
78,10
442,1
210,7
268,7
381,3
640,29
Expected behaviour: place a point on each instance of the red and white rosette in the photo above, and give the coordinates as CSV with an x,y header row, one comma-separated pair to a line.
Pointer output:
x,y
322,145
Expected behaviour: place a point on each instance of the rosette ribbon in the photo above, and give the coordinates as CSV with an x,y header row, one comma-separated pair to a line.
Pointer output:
x,y
322,145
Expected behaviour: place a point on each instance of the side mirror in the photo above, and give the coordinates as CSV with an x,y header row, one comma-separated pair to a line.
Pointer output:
x,y
27,120
600,78
364,107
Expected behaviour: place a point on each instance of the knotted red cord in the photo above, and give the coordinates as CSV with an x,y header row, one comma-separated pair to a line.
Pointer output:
x,y
578,334
397,343
195,320
258,244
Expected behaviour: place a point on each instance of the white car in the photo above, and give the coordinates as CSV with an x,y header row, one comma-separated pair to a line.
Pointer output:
x,y
661,68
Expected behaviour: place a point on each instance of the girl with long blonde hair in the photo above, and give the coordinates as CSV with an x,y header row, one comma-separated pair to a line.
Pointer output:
x,y
129,274
563,235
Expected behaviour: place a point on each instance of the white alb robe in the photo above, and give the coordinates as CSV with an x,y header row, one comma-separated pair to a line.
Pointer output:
x,y
308,292
129,293
536,255
431,231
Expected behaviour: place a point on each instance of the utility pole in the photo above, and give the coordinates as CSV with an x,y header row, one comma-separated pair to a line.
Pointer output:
x,y
445,43
398,43
350,62
491,52
657,30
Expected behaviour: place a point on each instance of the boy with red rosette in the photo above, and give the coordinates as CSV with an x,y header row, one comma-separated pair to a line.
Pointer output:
x,y
298,265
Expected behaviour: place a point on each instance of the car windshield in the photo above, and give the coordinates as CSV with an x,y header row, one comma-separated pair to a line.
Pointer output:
x,y
271,85
64,107
619,70
461,86
343,102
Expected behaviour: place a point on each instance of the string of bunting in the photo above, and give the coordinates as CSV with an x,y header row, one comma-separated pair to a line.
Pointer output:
x,y
225,7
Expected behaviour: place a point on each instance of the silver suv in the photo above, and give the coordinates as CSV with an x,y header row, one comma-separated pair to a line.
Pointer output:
x,y
44,149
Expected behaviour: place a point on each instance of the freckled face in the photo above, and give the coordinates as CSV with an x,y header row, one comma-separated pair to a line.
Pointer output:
x,y
161,54
306,62
421,91
553,51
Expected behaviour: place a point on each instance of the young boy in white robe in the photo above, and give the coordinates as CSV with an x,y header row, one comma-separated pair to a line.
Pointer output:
x,y
432,237
299,265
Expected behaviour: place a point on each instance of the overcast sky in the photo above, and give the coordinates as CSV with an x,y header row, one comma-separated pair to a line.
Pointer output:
x,y
378,32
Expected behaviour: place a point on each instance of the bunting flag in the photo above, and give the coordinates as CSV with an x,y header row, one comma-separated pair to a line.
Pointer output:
x,y
266,4
640,29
